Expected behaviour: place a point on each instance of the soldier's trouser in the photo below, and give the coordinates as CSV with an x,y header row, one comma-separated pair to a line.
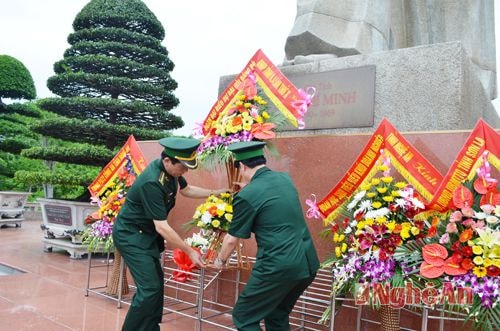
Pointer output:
x,y
268,301
146,309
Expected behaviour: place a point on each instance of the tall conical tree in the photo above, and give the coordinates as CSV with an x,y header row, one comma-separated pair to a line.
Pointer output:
x,y
114,81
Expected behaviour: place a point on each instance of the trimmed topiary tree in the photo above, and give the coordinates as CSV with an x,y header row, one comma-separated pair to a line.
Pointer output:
x,y
113,81
15,80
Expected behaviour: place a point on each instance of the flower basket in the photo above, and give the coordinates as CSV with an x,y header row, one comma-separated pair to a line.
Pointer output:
x,y
389,318
113,285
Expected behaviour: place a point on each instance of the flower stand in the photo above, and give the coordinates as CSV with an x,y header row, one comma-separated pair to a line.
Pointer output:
x,y
99,281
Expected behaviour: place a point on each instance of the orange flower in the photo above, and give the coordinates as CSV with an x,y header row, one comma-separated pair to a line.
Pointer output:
x,y
236,121
432,232
213,210
263,131
465,235
397,228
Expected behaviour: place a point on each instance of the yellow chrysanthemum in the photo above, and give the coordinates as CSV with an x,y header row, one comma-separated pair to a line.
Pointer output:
x,y
405,233
375,181
239,103
387,179
395,193
369,221
247,105
381,219
376,204
479,271
265,115
414,230
228,216
371,194
199,224
406,225
382,168
259,119
400,185
391,225
215,223
366,187
344,247
361,225
478,260
478,250
388,198
337,251
241,97
381,190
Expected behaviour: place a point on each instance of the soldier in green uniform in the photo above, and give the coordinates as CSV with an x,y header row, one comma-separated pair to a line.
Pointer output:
x,y
141,227
286,262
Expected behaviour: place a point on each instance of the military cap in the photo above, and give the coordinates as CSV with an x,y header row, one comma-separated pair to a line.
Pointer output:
x,y
182,149
247,149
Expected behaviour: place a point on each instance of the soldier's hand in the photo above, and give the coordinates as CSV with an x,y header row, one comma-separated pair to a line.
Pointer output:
x,y
196,258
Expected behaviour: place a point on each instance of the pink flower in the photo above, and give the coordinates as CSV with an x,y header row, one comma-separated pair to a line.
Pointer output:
x,y
469,223
488,209
451,228
445,239
467,211
456,216
479,225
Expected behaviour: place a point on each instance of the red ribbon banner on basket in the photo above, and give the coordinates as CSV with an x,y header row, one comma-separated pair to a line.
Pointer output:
x,y
281,91
184,265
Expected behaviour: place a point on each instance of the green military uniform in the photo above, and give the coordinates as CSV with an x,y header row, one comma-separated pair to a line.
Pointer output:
x,y
286,261
151,197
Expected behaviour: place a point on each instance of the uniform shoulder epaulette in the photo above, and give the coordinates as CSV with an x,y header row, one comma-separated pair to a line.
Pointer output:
x,y
162,178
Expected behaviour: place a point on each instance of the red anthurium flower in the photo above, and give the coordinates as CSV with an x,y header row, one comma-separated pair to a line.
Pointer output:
x,y
462,197
490,198
335,227
434,254
431,271
263,131
452,268
485,184
345,222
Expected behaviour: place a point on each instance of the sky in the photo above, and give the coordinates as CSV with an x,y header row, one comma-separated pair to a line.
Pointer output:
x,y
205,40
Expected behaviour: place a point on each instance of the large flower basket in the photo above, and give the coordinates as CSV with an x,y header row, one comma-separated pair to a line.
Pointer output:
x,y
389,318
113,285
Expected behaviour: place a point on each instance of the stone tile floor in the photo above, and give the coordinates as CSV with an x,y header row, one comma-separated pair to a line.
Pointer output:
x,y
50,294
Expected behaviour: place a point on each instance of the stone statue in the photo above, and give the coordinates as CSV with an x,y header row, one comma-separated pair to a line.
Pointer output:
x,y
325,28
